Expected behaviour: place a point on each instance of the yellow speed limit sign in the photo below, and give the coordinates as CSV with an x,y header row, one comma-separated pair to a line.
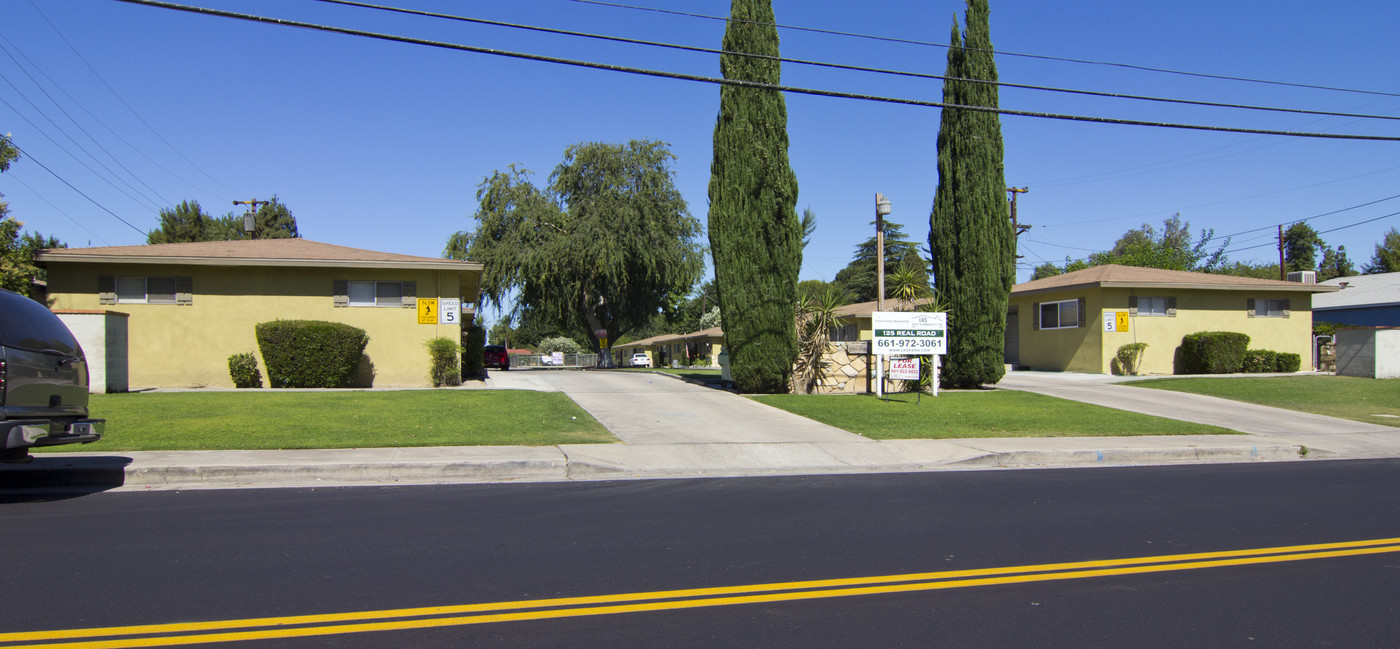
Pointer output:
x,y
427,310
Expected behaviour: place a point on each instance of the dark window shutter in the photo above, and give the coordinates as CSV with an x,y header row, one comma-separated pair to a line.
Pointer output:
x,y
1286,303
340,293
1036,307
106,289
1132,305
1081,312
410,295
1249,306
1171,307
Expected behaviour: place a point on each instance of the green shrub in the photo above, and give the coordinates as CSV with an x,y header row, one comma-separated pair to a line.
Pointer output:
x,y
1213,352
1287,362
443,357
243,369
559,344
1259,360
473,359
310,353
1130,357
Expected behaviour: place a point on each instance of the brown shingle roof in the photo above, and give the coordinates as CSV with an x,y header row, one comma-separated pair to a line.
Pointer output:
x,y
258,252
1115,276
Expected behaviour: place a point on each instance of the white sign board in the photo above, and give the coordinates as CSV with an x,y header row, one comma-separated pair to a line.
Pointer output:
x,y
909,332
1115,321
557,358
904,369
449,310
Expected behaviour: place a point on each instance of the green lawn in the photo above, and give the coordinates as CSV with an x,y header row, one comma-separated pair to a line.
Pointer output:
x,y
1347,397
990,413
356,419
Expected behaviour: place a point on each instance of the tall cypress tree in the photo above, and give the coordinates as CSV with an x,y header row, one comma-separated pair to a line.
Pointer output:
x,y
970,235
755,235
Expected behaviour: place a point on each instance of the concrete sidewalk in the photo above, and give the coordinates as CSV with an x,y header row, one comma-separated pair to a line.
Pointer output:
x,y
670,429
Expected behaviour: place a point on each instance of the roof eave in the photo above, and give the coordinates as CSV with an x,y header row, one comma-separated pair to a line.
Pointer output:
x,y
245,261
1179,286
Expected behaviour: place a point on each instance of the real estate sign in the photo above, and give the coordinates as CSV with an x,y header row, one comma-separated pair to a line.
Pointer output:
x,y
909,332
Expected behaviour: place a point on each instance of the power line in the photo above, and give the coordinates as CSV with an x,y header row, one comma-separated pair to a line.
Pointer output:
x,y
100,206
1343,227
1000,52
55,207
741,83
135,114
853,68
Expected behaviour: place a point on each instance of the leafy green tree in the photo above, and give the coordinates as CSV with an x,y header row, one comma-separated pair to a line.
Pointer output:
x,y
1171,249
1244,269
1387,256
189,222
607,245
1334,264
859,278
970,236
1300,246
18,270
755,235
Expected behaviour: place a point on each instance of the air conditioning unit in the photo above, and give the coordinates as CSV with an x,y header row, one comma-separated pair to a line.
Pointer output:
x,y
1303,276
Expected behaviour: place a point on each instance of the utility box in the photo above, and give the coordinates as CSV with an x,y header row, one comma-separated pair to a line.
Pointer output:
x,y
1369,352
103,335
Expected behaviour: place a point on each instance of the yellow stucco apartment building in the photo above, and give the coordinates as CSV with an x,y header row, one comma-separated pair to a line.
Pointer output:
x,y
189,306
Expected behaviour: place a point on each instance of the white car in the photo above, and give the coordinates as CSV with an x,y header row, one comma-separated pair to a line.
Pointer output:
x,y
640,359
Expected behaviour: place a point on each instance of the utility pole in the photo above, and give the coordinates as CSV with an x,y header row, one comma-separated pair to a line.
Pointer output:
x,y
1282,272
249,225
1016,225
882,208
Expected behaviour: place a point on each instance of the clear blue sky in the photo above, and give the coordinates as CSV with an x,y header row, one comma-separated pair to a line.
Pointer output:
x,y
381,145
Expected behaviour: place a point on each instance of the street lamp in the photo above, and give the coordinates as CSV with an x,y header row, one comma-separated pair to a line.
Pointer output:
x,y
882,210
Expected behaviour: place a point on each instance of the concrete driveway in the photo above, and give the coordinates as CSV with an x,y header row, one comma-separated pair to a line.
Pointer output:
x,y
652,408
1343,436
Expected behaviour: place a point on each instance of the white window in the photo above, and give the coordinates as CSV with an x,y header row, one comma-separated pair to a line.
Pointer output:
x,y
845,332
1059,315
1156,306
1260,308
145,290
375,293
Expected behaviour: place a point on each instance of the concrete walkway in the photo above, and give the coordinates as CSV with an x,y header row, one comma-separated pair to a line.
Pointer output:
x,y
671,428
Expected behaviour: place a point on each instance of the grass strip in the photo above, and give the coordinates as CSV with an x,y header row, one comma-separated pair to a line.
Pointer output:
x,y
977,414
1374,401
250,420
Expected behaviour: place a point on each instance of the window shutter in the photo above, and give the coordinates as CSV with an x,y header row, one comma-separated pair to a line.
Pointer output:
x,y
410,295
340,293
1036,307
1249,306
106,289
1132,305
1081,313
1171,307
1286,304
184,291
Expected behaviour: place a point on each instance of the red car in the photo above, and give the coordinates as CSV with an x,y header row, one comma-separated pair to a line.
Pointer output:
x,y
495,356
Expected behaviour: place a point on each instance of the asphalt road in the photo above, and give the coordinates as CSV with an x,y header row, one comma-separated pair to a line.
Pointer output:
x,y
123,559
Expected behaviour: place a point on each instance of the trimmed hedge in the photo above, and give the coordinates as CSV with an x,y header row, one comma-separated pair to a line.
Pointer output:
x,y
243,369
443,355
1288,362
310,353
1213,352
1259,361
473,356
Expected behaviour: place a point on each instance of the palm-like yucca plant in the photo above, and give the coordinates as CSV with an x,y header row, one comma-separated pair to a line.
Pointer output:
x,y
907,286
816,316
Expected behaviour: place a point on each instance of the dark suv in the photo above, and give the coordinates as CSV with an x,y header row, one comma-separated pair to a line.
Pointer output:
x,y
43,381
495,356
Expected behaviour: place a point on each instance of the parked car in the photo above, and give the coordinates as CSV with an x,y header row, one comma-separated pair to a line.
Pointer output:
x,y
495,356
43,381
640,359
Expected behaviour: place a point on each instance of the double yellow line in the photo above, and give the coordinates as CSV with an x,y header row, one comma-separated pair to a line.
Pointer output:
x,y
162,635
